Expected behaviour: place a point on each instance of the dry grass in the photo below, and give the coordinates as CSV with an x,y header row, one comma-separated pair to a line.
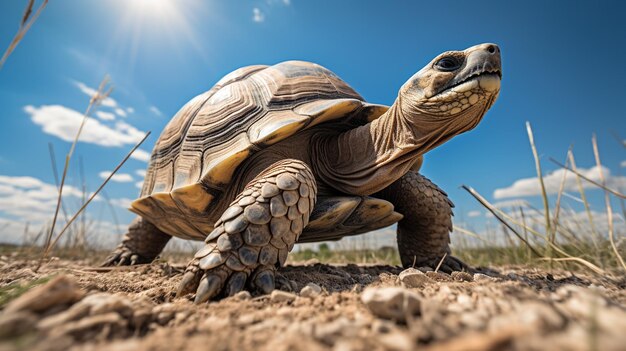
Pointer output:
x,y
27,21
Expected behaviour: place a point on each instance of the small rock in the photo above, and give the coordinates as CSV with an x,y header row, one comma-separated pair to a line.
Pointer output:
x,y
439,276
17,323
311,262
282,296
462,276
311,290
391,302
479,277
413,278
214,324
242,295
61,290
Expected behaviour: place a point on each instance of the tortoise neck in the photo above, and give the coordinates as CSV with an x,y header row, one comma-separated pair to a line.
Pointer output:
x,y
366,159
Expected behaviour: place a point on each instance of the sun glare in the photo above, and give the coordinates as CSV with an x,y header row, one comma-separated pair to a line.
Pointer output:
x,y
156,9
164,23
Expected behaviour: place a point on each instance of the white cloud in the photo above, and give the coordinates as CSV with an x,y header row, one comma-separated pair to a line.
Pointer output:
x,y
516,203
156,111
287,2
120,112
257,15
122,202
117,177
141,172
623,164
130,110
31,199
108,102
105,116
63,122
472,214
141,155
552,181
139,184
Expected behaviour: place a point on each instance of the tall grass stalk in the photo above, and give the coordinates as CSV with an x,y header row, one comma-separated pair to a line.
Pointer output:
x,y
544,194
95,100
607,199
93,196
594,233
25,24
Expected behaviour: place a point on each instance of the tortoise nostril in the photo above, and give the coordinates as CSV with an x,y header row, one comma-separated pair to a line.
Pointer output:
x,y
492,49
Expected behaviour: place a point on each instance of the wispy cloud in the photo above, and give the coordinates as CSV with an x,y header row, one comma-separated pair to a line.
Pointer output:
x,y
156,111
105,116
141,155
89,91
623,164
120,112
472,214
257,15
141,172
63,122
122,202
117,177
130,110
29,198
139,184
552,181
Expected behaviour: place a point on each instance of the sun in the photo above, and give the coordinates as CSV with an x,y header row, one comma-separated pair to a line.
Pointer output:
x,y
157,25
154,9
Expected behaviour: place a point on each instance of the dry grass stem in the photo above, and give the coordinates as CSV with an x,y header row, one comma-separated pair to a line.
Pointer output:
x,y
93,195
614,192
494,211
95,100
544,194
25,24
607,199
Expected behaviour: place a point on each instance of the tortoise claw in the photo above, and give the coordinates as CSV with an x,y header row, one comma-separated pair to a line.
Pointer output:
x,y
188,284
209,287
236,283
264,280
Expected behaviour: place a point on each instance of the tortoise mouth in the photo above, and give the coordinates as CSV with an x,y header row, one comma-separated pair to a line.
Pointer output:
x,y
492,74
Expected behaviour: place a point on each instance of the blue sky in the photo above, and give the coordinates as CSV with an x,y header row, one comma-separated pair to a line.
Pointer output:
x,y
562,66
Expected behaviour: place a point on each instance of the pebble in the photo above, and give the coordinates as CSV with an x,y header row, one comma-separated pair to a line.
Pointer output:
x,y
311,290
479,277
391,302
282,296
62,290
462,276
242,295
413,278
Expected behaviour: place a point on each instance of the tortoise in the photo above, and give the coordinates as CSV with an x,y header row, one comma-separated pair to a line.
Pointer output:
x,y
276,155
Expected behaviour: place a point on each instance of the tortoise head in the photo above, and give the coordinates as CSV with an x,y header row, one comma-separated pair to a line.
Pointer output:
x,y
456,88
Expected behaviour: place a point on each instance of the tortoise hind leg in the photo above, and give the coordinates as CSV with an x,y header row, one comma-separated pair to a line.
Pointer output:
x,y
254,234
424,233
141,244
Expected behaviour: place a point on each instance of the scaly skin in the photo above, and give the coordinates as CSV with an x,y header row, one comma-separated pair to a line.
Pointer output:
x,y
254,234
424,232
141,244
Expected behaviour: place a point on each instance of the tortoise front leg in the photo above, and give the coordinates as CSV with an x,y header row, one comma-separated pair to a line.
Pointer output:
x,y
424,233
141,244
254,235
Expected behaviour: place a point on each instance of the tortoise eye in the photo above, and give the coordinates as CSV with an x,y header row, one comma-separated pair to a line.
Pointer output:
x,y
447,64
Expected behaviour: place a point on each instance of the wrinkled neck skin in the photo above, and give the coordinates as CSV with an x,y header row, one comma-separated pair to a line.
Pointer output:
x,y
367,159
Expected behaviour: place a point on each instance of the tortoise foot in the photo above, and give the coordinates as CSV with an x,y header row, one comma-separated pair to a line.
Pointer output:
x,y
254,235
125,256
450,264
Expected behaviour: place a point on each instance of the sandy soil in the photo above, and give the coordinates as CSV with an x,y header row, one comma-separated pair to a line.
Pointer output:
x,y
358,308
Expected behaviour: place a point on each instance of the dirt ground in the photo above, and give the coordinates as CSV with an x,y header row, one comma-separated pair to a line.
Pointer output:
x,y
77,306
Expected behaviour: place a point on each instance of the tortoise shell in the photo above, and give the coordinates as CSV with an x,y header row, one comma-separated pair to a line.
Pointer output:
x,y
253,107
